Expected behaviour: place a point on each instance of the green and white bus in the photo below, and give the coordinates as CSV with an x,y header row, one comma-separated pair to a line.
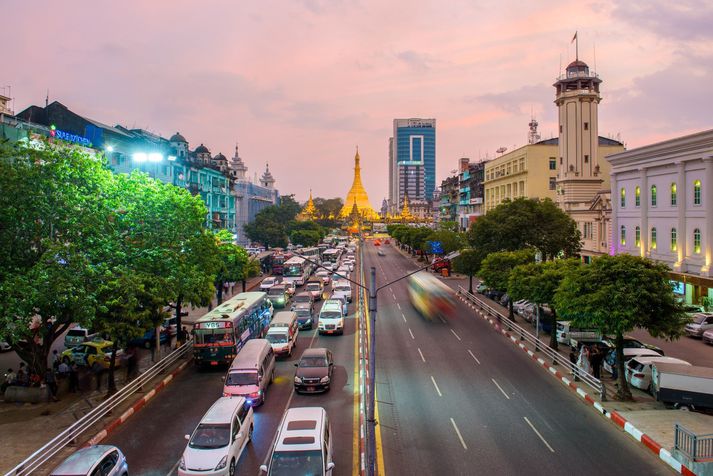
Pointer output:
x,y
220,334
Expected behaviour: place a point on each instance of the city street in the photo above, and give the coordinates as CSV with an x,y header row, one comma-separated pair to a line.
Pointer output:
x,y
455,399
153,440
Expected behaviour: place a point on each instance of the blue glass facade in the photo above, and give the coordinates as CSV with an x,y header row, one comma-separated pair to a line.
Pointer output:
x,y
416,146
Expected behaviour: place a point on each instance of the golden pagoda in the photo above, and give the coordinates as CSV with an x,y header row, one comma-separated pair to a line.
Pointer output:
x,y
405,212
309,212
357,197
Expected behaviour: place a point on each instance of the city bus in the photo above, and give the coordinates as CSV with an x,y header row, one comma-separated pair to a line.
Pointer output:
x,y
296,270
221,333
332,256
429,296
312,254
278,262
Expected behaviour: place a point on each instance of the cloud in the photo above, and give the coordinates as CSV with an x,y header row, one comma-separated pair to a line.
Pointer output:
x,y
533,98
680,20
416,61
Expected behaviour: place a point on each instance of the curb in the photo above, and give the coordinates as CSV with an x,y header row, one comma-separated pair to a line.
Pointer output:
x,y
96,439
615,417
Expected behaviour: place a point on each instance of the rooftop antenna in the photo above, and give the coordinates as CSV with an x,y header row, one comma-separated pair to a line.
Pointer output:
x,y
594,50
47,98
575,40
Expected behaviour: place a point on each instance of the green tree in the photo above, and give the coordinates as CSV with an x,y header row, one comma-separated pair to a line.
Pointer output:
x,y
468,263
495,270
449,241
233,262
328,207
617,294
449,226
305,237
526,223
538,283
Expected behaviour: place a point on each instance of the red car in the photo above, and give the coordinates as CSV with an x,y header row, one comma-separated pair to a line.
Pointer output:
x,y
377,243
387,242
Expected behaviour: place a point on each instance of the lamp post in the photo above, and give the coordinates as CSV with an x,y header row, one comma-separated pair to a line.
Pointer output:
x,y
373,291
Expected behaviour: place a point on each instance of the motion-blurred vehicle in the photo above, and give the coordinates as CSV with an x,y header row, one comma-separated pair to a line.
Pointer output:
x,y
87,354
314,370
267,283
429,296
380,252
700,323
99,460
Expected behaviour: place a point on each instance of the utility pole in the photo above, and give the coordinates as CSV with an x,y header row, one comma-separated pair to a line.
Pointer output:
x,y
371,414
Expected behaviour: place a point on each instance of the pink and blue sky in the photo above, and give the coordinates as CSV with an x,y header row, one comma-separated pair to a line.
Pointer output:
x,y
299,83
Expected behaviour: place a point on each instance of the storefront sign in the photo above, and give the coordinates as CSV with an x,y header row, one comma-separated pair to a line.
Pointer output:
x,y
69,137
678,287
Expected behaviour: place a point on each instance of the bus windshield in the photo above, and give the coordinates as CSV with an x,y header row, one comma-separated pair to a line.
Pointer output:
x,y
293,271
214,336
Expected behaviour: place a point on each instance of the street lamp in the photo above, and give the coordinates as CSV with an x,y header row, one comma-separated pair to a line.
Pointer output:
x,y
373,291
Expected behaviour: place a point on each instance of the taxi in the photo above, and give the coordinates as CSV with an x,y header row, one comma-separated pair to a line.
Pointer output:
x,y
88,353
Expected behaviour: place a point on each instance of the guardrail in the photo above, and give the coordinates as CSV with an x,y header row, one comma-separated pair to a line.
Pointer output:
x,y
71,434
527,336
696,447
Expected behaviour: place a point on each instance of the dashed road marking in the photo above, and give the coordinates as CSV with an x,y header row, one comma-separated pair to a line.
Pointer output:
x,y
436,385
538,434
460,437
421,354
398,305
454,333
476,358
500,388
409,331
403,317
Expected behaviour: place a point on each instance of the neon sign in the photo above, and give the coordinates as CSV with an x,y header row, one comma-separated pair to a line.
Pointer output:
x,y
69,137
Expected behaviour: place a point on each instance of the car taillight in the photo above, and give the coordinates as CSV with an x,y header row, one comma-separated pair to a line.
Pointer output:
x,y
638,375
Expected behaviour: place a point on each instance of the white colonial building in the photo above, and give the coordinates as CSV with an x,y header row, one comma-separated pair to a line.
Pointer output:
x,y
662,197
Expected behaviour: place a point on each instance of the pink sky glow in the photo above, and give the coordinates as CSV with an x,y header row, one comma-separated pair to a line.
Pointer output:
x,y
299,83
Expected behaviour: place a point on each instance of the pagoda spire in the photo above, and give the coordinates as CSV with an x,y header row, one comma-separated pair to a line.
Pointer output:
x,y
357,196
309,212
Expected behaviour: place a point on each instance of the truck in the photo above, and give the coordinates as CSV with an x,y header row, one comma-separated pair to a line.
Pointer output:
x,y
682,385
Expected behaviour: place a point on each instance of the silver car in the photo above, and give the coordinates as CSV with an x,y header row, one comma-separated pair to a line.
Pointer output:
x,y
103,460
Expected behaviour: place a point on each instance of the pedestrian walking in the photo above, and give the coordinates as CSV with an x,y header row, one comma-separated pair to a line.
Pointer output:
x,y
596,357
73,378
56,360
51,383
573,361
98,371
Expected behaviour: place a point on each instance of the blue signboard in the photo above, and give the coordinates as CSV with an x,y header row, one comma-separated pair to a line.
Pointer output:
x,y
678,287
436,247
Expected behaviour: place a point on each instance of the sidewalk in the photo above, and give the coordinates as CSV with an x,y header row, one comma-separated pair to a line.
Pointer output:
x,y
33,425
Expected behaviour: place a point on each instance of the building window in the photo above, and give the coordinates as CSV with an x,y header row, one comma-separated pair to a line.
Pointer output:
x,y
674,195
623,197
553,163
587,235
637,196
560,128
553,183
560,160
697,192
674,239
696,240
586,159
637,237
623,235
653,195
586,126
653,238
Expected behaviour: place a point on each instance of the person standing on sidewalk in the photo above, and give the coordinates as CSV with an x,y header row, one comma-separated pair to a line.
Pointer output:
x,y
51,382
596,357
73,378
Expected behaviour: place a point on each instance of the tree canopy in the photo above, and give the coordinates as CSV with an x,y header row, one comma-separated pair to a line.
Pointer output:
x,y
496,268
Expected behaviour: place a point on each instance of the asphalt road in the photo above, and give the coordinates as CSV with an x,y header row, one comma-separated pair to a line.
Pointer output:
x,y
455,398
153,439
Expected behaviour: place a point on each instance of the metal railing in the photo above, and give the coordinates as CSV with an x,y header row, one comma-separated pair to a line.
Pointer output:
x,y
524,335
74,432
696,447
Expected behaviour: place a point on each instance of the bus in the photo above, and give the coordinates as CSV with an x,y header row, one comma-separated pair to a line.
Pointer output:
x,y
296,270
429,296
220,334
332,256
312,254
278,261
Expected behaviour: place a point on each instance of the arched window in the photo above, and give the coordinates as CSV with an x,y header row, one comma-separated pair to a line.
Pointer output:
x,y
674,239
653,195
623,235
674,195
637,196
696,240
637,237
623,197
697,192
653,238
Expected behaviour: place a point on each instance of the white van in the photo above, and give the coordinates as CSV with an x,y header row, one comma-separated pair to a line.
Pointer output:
x,y
331,318
303,444
251,372
282,334
565,333
219,439
343,289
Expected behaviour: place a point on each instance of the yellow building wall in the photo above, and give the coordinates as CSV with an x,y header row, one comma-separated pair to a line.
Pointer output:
x,y
524,172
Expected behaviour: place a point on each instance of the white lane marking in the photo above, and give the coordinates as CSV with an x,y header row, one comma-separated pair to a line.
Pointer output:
x,y
442,320
173,470
436,385
398,305
454,333
403,317
421,354
538,434
460,437
501,388
476,358
409,331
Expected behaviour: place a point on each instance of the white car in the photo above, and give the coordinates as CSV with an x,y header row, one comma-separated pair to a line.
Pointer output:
x,y
267,283
701,322
343,290
638,369
349,264
609,361
324,275
216,444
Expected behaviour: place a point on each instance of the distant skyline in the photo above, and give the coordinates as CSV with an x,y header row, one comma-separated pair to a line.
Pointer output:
x,y
299,83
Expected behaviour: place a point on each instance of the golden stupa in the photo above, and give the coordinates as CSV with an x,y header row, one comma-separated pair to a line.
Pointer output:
x,y
309,212
357,197
405,212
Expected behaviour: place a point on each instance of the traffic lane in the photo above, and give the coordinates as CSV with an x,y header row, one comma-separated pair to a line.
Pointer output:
x,y
550,397
689,349
153,438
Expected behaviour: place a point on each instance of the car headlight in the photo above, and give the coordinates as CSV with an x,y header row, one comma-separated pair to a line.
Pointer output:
x,y
182,464
223,462
297,379
324,379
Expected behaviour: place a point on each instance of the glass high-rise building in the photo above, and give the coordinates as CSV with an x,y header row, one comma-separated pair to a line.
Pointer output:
x,y
412,161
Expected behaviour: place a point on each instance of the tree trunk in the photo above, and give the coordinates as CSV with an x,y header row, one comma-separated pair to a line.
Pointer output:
x,y
219,293
511,311
470,284
623,393
111,383
553,331
243,282
180,336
